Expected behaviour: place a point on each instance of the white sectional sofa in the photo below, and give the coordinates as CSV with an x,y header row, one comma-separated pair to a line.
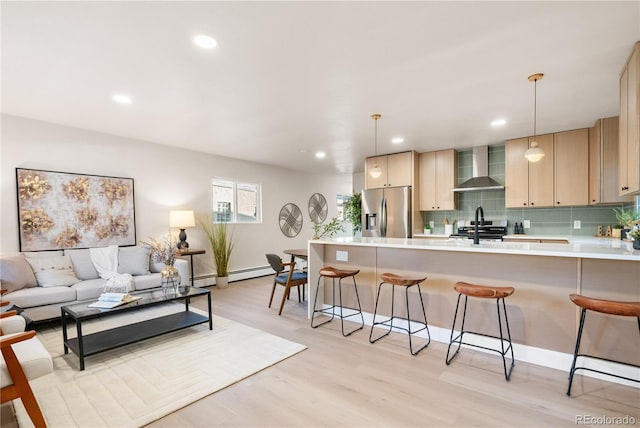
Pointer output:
x,y
42,282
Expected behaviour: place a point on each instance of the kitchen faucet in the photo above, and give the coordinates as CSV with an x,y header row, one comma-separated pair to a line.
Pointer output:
x,y
476,236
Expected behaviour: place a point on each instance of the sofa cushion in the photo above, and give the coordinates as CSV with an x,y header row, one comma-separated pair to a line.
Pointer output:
x,y
82,264
144,282
89,289
16,273
53,271
134,260
38,296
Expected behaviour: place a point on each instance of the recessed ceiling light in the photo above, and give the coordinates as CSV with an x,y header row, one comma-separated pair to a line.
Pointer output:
x,y
320,155
122,99
397,140
204,41
499,122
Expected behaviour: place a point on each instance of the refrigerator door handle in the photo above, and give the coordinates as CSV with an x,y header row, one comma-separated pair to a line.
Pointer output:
x,y
383,220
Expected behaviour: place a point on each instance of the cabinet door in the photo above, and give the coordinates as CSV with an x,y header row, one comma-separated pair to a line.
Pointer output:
x,y
516,173
446,166
399,169
609,162
595,160
622,135
633,122
571,166
541,174
428,181
379,182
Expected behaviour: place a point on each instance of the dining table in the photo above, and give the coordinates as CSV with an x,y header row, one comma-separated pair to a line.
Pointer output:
x,y
297,252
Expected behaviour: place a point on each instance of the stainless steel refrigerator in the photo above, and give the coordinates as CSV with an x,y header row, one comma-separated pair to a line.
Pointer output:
x,y
386,213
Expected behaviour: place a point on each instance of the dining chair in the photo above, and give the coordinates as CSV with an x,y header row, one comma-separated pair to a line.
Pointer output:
x,y
287,278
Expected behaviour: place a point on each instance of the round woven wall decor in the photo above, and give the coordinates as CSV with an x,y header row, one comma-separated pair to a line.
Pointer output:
x,y
317,208
290,219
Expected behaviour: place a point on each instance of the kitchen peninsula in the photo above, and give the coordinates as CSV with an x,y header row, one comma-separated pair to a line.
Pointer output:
x,y
543,320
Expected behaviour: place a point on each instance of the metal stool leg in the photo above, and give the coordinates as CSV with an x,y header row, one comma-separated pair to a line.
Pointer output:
x,y
453,327
507,376
375,311
409,322
315,302
575,353
342,316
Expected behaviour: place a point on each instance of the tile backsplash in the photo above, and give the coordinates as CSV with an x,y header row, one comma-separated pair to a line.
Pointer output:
x,y
544,221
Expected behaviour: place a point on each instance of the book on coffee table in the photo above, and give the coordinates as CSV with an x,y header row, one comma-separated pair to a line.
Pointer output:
x,y
111,300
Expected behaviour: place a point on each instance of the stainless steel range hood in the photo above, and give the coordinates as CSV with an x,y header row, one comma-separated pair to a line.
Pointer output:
x,y
481,179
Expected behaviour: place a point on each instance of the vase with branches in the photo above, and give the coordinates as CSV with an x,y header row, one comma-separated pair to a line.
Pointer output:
x,y
222,244
327,230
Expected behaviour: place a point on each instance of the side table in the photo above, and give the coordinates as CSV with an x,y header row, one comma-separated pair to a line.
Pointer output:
x,y
190,253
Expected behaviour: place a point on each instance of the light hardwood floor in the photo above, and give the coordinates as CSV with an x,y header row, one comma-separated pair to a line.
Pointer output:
x,y
348,382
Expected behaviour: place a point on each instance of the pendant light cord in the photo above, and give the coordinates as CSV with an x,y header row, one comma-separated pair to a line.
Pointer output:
x,y
535,106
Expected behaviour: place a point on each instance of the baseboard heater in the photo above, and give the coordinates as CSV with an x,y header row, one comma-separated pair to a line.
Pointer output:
x,y
236,275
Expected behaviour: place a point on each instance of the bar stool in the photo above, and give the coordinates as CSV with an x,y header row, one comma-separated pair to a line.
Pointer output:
x,y
483,292
609,307
340,274
406,282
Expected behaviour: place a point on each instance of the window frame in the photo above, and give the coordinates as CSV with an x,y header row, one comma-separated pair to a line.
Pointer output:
x,y
235,185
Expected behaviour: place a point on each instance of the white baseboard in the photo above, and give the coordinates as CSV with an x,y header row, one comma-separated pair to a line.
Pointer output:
x,y
208,280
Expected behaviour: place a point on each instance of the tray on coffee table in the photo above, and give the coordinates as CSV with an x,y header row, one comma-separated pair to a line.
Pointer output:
x,y
94,343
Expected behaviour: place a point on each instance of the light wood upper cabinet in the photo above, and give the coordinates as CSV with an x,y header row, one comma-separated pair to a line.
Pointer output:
x,y
629,126
571,164
516,173
397,170
438,176
603,162
529,184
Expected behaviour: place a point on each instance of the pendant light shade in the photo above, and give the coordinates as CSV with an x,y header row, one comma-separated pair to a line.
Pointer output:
x,y
376,171
535,153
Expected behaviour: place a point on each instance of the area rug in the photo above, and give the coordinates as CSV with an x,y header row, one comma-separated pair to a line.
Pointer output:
x,y
140,383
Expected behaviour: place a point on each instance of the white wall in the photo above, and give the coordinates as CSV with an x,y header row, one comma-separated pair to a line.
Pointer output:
x,y
165,178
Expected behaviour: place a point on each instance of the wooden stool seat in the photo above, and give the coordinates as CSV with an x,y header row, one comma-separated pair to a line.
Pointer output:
x,y
483,291
340,274
331,272
611,307
403,281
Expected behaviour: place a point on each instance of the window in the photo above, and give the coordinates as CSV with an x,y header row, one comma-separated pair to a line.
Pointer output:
x,y
236,202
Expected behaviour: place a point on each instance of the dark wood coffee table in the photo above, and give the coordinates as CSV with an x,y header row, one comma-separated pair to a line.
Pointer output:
x,y
91,344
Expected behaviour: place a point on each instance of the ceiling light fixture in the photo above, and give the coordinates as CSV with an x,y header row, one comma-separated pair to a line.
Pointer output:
x,y
397,140
205,42
535,153
122,99
320,155
498,122
376,171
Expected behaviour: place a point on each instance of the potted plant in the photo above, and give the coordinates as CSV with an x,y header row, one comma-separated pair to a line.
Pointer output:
x,y
635,236
427,229
353,211
327,230
222,244
627,219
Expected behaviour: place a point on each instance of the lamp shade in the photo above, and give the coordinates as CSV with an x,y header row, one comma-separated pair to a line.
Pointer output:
x,y
181,219
535,153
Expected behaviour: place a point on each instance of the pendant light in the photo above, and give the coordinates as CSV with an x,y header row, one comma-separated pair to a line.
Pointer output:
x,y
535,153
376,171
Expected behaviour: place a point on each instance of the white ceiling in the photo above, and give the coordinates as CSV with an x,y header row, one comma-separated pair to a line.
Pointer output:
x,y
291,78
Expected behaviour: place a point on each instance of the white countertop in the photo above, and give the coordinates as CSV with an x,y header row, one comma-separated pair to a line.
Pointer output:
x,y
589,248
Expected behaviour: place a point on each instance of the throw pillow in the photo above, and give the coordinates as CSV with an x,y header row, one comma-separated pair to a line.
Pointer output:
x,y
53,271
82,264
15,273
134,260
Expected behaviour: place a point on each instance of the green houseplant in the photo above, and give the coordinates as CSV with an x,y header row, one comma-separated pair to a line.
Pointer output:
x,y
353,211
222,243
627,219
